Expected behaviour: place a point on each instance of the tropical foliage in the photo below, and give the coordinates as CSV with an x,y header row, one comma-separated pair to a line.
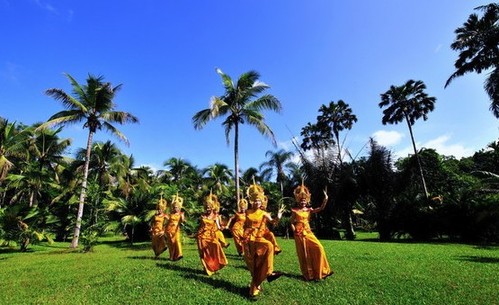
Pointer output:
x,y
478,43
44,190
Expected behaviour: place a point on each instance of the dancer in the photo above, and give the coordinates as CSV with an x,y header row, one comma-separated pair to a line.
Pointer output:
x,y
172,231
311,255
258,251
209,247
218,219
237,222
269,235
157,230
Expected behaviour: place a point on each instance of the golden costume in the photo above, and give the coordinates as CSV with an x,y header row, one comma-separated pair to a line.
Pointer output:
x,y
218,232
172,230
158,241
209,247
311,254
258,251
237,228
269,235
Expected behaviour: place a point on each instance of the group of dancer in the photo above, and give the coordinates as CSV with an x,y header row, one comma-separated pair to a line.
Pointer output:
x,y
165,228
252,238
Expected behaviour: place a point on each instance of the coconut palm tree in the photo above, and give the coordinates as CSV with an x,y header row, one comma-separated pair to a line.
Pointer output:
x,y
478,43
104,155
218,176
240,104
251,174
11,146
408,102
178,168
91,104
276,164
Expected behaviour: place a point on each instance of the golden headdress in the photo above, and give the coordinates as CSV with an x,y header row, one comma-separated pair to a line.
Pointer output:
x,y
301,192
243,204
177,201
161,205
211,202
255,192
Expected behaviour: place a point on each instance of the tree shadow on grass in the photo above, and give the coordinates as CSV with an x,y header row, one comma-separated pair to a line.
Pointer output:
x,y
125,244
479,259
9,250
151,257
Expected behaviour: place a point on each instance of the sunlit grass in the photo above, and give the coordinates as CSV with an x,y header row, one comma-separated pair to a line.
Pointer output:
x,y
366,272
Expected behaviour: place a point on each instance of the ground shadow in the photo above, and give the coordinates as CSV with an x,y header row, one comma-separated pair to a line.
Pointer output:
x,y
149,257
201,276
294,276
234,256
9,250
479,259
125,244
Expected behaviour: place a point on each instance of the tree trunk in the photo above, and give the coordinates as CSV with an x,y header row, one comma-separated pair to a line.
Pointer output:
x,y
349,230
417,158
236,161
79,215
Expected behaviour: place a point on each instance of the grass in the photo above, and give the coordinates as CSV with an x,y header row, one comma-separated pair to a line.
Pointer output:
x,y
366,272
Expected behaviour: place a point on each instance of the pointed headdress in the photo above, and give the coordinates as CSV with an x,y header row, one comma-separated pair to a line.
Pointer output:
x,y
161,205
255,192
177,201
211,202
301,192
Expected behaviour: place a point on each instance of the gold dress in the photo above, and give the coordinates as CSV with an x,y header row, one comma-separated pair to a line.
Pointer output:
x,y
269,235
173,236
220,235
237,231
311,254
209,247
258,251
158,234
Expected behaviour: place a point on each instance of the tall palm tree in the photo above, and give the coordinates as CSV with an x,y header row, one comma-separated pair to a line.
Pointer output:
x,y
277,162
104,155
478,43
240,104
93,105
408,102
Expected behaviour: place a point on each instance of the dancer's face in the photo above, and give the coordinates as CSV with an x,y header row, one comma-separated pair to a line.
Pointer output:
x,y
303,202
257,204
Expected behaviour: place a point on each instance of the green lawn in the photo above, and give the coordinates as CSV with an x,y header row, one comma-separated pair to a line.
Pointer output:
x,y
366,272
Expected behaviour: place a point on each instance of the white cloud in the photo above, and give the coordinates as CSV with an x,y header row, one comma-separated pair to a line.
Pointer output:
x,y
45,6
387,138
287,145
441,145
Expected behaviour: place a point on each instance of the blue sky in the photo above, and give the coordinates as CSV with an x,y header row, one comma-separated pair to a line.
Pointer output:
x,y
164,53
